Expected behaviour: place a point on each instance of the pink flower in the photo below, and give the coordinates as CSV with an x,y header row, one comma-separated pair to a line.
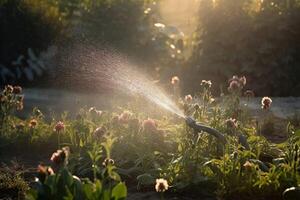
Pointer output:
x,y
59,126
43,172
237,83
175,80
188,98
57,157
266,103
124,117
231,123
60,156
149,125
17,90
234,86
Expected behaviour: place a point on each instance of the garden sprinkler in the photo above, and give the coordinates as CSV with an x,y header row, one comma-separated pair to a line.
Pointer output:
x,y
200,127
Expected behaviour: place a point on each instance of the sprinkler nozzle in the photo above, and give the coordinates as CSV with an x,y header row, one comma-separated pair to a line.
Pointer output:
x,y
190,121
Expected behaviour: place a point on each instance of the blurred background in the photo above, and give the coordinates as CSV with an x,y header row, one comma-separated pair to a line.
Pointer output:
x,y
192,39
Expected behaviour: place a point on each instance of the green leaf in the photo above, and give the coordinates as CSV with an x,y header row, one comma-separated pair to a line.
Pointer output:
x,y
81,143
69,195
115,176
51,182
31,194
119,191
98,185
77,189
88,190
67,177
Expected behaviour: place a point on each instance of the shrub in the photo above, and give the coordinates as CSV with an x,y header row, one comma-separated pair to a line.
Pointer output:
x,y
12,185
260,40
27,24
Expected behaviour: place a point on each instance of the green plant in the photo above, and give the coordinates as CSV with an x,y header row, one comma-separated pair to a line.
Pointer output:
x,y
12,185
11,100
61,184
64,185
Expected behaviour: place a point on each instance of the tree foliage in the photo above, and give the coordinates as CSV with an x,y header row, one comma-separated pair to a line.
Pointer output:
x,y
259,39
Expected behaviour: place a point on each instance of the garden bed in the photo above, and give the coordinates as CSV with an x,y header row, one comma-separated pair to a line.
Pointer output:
x,y
129,147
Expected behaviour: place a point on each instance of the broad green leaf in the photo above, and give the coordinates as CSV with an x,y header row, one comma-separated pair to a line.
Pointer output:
x,y
119,191
88,190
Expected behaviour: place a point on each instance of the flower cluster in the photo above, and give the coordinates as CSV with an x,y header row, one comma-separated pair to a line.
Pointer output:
x,y
60,126
108,162
33,123
12,98
188,98
266,103
206,84
231,123
60,157
43,172
149,125
237,83
124,117
175,80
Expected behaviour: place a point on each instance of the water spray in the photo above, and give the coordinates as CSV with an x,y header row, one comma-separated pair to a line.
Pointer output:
x,y
118,73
